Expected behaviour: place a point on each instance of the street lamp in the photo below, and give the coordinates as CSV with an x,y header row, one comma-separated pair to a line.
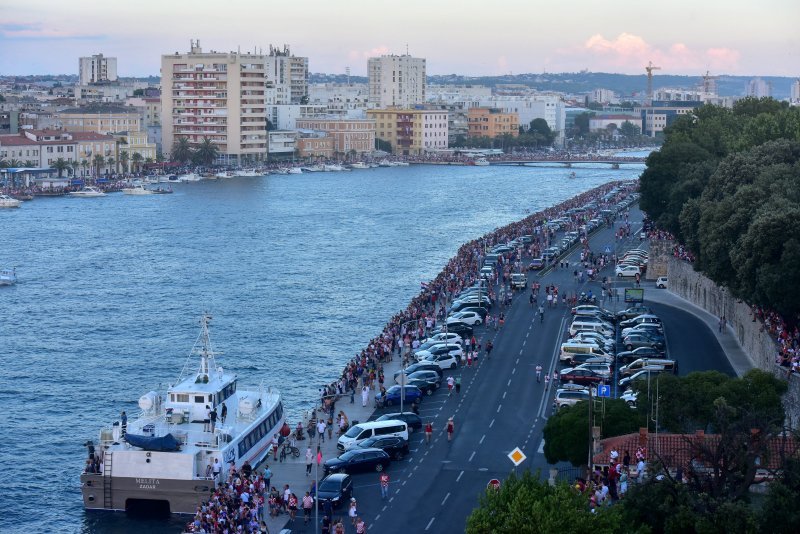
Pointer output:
x,y
403,373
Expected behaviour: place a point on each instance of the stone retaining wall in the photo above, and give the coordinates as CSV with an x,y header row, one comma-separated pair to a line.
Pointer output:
x,y
754,339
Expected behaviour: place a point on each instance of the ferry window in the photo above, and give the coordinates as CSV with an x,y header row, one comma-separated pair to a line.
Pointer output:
x,y
182,397
199,399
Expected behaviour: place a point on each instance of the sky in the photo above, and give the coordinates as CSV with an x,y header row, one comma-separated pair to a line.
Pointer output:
x,y
469,37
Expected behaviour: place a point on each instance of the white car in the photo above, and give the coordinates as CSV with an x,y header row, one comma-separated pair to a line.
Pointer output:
x,y
661,283
469,317
594,337
445,337
627,271
450,348
444,361
630,397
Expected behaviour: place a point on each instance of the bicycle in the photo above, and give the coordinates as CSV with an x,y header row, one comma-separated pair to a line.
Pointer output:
x,y
294,451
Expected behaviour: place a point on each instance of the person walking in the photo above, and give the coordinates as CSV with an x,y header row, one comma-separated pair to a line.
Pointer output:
x,y
451,427
361,527
124,423
309,460
308,505
458,385
223,413
353,511
364,395
428,432
539,373
321,428
546,381
541,313
212,416
450,383
384,481
555,378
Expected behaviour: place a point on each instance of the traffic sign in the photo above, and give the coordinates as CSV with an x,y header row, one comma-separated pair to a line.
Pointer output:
x,y
604,391
517,456
493,484
607,249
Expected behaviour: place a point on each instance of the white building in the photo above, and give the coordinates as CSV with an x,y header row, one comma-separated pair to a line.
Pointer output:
x,y
287,77
795,92
603,96
97,69
219,95
758,88
339,98
284,117
545,106
457,94
396,81
282,143
668,94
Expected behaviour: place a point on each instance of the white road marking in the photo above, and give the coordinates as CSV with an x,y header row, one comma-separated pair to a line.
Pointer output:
x,y
508,383
514,370
377,517
516,362
384,508
430,523
504,395
482,438
459,476
498,407
490,424
443,500
471,456
541,448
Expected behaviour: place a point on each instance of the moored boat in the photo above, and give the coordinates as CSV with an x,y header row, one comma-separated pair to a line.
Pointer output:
x,y
137,189
8,202
87,192
169,454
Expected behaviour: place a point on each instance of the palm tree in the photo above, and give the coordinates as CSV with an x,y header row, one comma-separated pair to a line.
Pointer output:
x,y
29,163
181,150
137,161
85,165
74,165
148,161
110,160
207,152
60,165
14,163
124,157
3,162
98,161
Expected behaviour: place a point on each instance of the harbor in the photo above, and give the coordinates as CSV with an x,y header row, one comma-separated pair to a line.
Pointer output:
x,y
311,287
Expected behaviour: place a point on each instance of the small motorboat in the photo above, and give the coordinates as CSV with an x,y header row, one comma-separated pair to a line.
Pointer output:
x,y
8,202
8,277
137,189
87,192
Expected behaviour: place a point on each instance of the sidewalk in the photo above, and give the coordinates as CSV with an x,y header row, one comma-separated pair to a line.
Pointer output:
x,y
739,359
292,470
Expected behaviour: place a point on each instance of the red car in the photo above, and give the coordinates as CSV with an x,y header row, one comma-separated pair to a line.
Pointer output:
x,y
584,377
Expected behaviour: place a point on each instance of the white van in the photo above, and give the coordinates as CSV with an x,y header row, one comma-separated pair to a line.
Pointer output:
x,y
358,433
583,326
571,349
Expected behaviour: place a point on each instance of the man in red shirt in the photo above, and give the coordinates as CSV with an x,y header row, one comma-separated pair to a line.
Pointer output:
x,y
384,478
428,432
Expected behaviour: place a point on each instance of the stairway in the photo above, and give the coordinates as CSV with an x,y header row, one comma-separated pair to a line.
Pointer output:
x,y
108,502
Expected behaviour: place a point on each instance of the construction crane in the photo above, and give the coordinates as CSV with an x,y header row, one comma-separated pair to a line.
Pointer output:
x,y
650,68
710,83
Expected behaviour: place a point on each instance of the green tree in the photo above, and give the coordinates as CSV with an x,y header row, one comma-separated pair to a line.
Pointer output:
x,y
110,161
380,144
582,123
460,140
85,165
98,161
74,164
206,152
567,433
526,505
181,150
779,512
540,128
60,165
124,159
628,129
136,160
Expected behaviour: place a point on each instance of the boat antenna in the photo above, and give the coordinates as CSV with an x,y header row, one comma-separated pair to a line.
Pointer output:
x,y
202,348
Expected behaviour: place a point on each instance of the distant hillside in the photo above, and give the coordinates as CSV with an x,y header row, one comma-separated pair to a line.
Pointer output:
x,y
581,82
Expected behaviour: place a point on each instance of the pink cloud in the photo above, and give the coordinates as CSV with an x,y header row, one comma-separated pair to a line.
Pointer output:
x,y
630,53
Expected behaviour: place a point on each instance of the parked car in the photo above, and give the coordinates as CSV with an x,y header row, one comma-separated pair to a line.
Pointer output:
x,y
601,368
642,352
597,338
627,271
640,319
357,460
419,366
536,264
337,488
469,317
628,381
427,381
446,337
661,282
519,281
634,341
580,376
392,397
632,312
462,329
644,328
570,397
444,361
483,312
410,418
395,447
630,397
442,348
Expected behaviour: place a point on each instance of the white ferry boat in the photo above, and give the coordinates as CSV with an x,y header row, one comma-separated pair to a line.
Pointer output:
x,y
165,457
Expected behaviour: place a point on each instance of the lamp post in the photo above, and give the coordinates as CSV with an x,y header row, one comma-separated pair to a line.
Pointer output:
x,y
403,372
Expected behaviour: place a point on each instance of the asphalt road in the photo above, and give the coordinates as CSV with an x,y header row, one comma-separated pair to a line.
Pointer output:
x,y
501,406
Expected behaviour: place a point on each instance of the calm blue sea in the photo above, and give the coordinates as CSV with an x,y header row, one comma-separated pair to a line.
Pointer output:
x,y
299,272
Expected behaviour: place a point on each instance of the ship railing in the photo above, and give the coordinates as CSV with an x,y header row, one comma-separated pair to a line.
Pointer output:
x,y
150,424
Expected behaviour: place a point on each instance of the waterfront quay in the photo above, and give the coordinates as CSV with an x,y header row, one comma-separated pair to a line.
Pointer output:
x,y
500,405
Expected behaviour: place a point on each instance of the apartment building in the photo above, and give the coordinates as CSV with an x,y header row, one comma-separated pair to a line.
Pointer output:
x,y
411,131
347,134
492,122
97,69
219,95
396,81
100,118
43,147
287,77
315,146
659,115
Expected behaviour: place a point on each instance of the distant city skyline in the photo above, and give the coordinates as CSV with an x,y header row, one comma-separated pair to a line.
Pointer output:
x,y
468,37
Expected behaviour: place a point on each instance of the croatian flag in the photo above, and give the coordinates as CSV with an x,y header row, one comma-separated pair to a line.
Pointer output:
x,y
424,285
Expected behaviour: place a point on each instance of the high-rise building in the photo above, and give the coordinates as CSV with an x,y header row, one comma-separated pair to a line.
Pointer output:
x,y
758,88
287,77
396,81
795,93
97,69
219,95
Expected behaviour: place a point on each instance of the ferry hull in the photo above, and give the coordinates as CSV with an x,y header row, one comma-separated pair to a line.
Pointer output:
x,y
183,496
